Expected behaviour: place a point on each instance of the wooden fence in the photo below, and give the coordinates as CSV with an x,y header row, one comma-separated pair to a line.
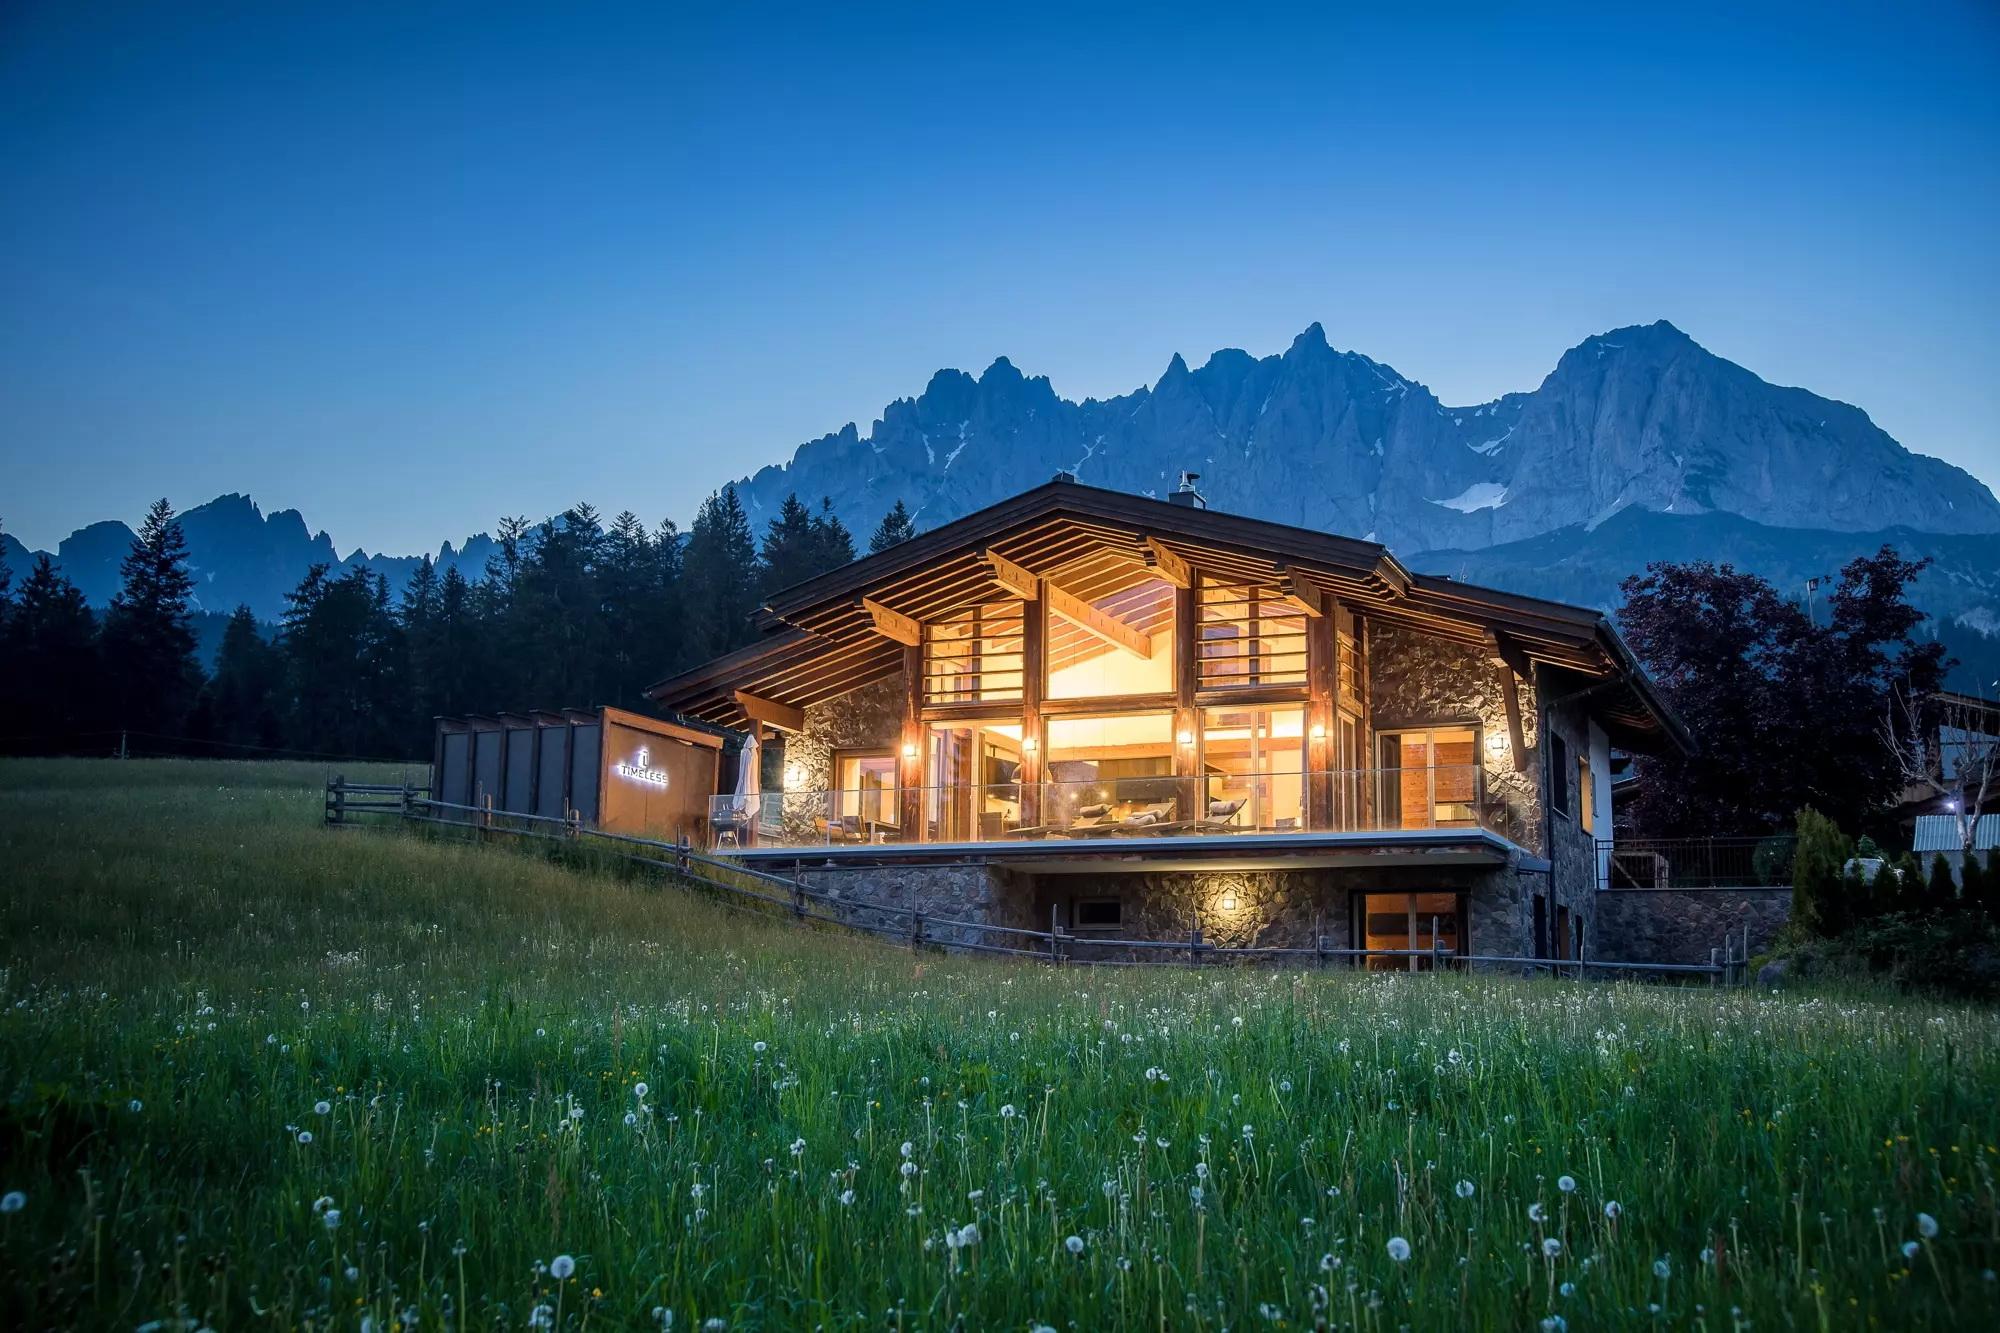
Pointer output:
x,y
348,804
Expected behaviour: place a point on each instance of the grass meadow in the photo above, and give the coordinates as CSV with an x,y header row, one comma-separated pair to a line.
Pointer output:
x,y
258,1074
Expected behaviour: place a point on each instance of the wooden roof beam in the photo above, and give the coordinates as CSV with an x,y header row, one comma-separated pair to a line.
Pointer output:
x,y
1167,564
1009,577
892,624
1087,617
770,712
1302,592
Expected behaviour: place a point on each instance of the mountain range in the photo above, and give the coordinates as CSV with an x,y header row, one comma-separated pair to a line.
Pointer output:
x,y
1640,445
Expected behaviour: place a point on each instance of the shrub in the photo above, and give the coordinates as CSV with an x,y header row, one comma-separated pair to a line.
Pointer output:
x,y
1823,850
1942,890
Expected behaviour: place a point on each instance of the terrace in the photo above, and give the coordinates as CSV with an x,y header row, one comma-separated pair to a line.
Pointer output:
x,y
1129,812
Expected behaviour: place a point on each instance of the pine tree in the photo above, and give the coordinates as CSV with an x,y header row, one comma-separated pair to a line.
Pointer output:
x,y
148,641
1817,873
896,527
720,576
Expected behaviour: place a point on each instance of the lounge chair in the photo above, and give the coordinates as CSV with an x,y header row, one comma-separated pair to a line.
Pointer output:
x,y
1092,821
1150,820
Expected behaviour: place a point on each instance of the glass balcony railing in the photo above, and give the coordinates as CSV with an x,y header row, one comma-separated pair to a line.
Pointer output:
x,y
1376,800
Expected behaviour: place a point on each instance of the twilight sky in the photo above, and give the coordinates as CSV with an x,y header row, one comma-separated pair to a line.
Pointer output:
x,y
408,267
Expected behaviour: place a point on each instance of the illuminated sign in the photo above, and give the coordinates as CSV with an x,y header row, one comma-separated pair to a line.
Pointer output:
x,y
638,770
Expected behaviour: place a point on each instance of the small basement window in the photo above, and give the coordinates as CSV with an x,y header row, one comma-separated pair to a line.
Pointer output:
x,y
1097,913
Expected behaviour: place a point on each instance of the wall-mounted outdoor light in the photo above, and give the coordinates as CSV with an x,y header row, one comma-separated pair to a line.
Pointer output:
x,y
909,752
1229,901
1496,743
1185,738
1319,731
1029,745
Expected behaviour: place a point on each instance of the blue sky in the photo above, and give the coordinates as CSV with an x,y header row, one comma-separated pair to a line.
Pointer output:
x,y
410,267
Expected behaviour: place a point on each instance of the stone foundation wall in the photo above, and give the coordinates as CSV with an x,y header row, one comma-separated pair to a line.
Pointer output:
x,y
1417,680
986,894
1282,908
1682,925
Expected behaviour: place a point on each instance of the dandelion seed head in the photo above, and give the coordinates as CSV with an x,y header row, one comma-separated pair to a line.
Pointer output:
x,y
1567,1184
1927,1226
1074,1244
562,1266
1399,1249
1465,1189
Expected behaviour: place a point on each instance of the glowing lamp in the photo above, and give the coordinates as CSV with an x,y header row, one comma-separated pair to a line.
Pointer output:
x,y
1185,738
1229,902
1496,743
1319,731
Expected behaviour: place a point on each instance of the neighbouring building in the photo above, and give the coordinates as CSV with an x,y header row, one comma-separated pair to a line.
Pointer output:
x,y
1142,719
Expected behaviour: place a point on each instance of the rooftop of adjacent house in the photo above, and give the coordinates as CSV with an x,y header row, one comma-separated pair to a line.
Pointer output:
x,y
1942,833
820,638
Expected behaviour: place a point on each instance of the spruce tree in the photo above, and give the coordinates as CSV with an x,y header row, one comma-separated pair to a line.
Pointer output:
x,y
719,574
55,665
243,694
896,527
833,545
148,641
787,555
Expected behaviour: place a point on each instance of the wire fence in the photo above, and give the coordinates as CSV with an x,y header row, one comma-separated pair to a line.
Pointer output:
x,y
350,804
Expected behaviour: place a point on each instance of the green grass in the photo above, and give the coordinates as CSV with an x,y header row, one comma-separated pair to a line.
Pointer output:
x,y
192,964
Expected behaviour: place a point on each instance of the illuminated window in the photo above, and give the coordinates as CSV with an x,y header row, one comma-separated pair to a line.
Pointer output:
x,y
1429,778
974,655
866,782
1110,630
1249,636
1253,767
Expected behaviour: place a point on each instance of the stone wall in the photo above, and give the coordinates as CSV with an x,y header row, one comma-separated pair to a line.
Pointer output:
x,y
1682,925
1282,908
1573,848
868,718
986,894
1417,680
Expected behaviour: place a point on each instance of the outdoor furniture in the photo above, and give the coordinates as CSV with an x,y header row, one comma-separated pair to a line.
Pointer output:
x,y
1092,821
845,829
1152,819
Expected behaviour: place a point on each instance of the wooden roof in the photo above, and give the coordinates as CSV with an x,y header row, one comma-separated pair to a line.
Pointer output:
x,y
819,641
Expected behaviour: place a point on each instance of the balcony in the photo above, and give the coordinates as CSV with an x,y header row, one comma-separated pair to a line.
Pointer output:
x,y
1696,863
1127,811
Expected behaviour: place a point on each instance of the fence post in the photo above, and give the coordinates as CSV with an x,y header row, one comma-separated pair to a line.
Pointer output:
x,y
339,785
1714,962
1055,933
407,798
798,892
1319,941
1194,943
916,931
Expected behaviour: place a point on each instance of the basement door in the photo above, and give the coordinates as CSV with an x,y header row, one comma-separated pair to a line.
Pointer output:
x,y
1409,921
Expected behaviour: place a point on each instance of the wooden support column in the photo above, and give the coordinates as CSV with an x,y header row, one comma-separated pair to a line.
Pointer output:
x,y
1034,639
1322,705
910,749
1187,677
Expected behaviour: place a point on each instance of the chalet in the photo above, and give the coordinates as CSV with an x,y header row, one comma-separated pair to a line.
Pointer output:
x,y
1142,718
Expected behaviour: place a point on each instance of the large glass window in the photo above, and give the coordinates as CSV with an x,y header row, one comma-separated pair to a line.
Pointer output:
x,y
1110,630
974,655
866,786
1429,778
973,792
1249,636
1253,767
1409,921
1115,774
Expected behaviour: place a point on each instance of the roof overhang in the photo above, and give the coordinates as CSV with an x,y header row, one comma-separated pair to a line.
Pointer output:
x,y
821,637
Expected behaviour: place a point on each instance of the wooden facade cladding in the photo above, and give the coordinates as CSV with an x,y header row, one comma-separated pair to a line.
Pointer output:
x,y
855,625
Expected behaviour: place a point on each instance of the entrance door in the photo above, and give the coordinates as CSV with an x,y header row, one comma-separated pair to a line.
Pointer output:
x,y
1430,777
1409,921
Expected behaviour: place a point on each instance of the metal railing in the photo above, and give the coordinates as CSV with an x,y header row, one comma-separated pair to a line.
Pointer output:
x,y
741,886
1376,800
1696,863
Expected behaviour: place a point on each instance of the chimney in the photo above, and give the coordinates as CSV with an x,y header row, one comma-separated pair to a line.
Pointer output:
x,y
1186,494
1064,475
